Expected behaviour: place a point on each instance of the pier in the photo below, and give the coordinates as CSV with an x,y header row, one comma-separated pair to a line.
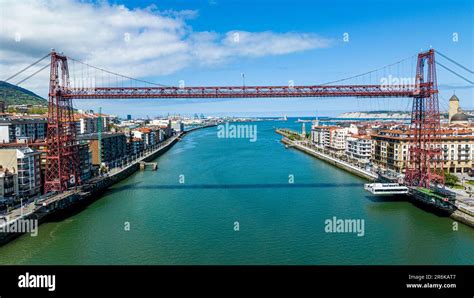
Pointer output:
x,y
144,165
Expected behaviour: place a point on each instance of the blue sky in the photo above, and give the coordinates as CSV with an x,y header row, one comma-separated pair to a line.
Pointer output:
x,y
380,32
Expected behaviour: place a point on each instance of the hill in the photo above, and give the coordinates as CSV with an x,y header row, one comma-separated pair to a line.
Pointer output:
x,y
15,95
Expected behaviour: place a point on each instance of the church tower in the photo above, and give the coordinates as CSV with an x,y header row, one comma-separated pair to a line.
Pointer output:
x,y
453,106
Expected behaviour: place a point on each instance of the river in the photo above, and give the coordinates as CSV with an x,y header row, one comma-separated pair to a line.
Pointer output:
x,y
152,218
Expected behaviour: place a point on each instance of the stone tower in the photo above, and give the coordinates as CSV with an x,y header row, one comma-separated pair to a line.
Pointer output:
x,y
453,107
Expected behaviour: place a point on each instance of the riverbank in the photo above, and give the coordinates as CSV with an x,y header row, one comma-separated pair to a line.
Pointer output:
x,y
336,162
62,205
151,218
461,213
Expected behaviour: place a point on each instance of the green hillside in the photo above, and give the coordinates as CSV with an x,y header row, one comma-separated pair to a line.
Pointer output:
x,y
15,95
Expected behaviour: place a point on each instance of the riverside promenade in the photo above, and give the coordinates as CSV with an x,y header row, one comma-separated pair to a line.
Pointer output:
x,y
300,145
464,206
49,205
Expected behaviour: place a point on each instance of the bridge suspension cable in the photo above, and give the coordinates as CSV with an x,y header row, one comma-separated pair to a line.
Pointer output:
x,y
33,74
455,73
457,63
26,68
116,74
369,72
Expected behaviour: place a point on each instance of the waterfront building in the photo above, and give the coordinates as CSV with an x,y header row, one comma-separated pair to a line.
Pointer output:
x,y
332,138
25,162
160,135
85,161
87,122
359,148
164,125
160,132
390,149
113,147
146,134
8,186
135,146
320,135
16,129
177,126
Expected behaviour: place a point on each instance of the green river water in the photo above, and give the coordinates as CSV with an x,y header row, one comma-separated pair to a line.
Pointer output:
x,y
236,180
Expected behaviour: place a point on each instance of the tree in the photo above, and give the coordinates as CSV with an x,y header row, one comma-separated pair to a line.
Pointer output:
x,y
450,179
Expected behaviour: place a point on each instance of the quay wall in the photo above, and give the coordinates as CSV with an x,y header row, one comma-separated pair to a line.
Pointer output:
x,y
457,213
63,205
340,164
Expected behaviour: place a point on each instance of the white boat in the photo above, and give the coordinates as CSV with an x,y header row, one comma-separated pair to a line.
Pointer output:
x,y
386,189
302,120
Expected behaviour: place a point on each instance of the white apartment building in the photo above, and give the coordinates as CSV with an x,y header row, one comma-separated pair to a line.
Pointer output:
x,y
177,125
25,162
88,122
332,137
359,147
147,135
8,186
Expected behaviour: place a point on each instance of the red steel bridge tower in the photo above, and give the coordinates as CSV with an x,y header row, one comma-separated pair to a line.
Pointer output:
x,y
62,158
424,164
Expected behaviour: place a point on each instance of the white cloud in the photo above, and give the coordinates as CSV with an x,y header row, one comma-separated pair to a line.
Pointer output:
x,y
136,42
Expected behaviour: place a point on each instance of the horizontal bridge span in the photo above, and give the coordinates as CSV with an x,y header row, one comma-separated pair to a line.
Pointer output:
x,y
423,90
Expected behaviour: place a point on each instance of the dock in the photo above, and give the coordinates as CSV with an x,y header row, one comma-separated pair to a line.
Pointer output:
x,y
144,165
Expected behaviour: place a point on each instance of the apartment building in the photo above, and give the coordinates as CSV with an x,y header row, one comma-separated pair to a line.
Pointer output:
x,y
177,126
359,148
8,186
85,161
147,135
391,150
25,163
135,146
321,135
87,122
14,129
113,147
332,138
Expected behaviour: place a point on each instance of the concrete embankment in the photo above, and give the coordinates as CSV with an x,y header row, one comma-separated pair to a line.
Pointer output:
x,y
60,206
458,212
338,163
463,217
